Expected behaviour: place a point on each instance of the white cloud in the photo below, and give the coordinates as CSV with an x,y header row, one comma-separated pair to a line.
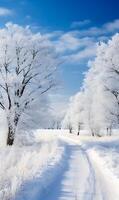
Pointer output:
x,y
55,34
78,45
82,55
112,26
67,42
72,48
77,24
70,41
5,11
106,29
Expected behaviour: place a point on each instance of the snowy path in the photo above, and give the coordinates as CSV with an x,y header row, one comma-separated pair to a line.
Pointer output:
x,y
75,176
76,181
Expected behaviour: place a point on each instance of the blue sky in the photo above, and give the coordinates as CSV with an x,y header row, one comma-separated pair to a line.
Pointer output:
x,y
59,14
73,26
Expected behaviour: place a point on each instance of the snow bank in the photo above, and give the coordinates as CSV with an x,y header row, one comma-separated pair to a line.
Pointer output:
x,y
104,155
20,164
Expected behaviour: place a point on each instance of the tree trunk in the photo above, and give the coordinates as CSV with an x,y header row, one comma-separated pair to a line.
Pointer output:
x,y
70,130
93,134
12,130
10,137
107,130
79,130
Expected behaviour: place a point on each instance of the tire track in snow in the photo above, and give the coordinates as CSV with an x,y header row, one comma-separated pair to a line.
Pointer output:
x,y
91,181
90,186
76,180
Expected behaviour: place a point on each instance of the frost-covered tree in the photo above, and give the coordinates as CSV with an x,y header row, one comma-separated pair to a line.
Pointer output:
x,y
97,105
27,69
74,114
102,83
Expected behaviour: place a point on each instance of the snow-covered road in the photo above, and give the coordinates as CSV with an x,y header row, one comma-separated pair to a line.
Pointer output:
x,y
76,181
74,172
79,178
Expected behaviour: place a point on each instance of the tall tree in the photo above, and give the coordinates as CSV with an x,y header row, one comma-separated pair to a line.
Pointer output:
x,y
27,69
98,104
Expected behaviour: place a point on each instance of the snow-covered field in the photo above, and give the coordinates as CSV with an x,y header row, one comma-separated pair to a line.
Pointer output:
x,y
56,165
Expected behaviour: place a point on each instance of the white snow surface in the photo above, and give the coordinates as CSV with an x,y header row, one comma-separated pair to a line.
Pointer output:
x,y
56,165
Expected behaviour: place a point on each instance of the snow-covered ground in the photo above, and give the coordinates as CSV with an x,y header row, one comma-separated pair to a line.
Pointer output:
x,y
56,165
